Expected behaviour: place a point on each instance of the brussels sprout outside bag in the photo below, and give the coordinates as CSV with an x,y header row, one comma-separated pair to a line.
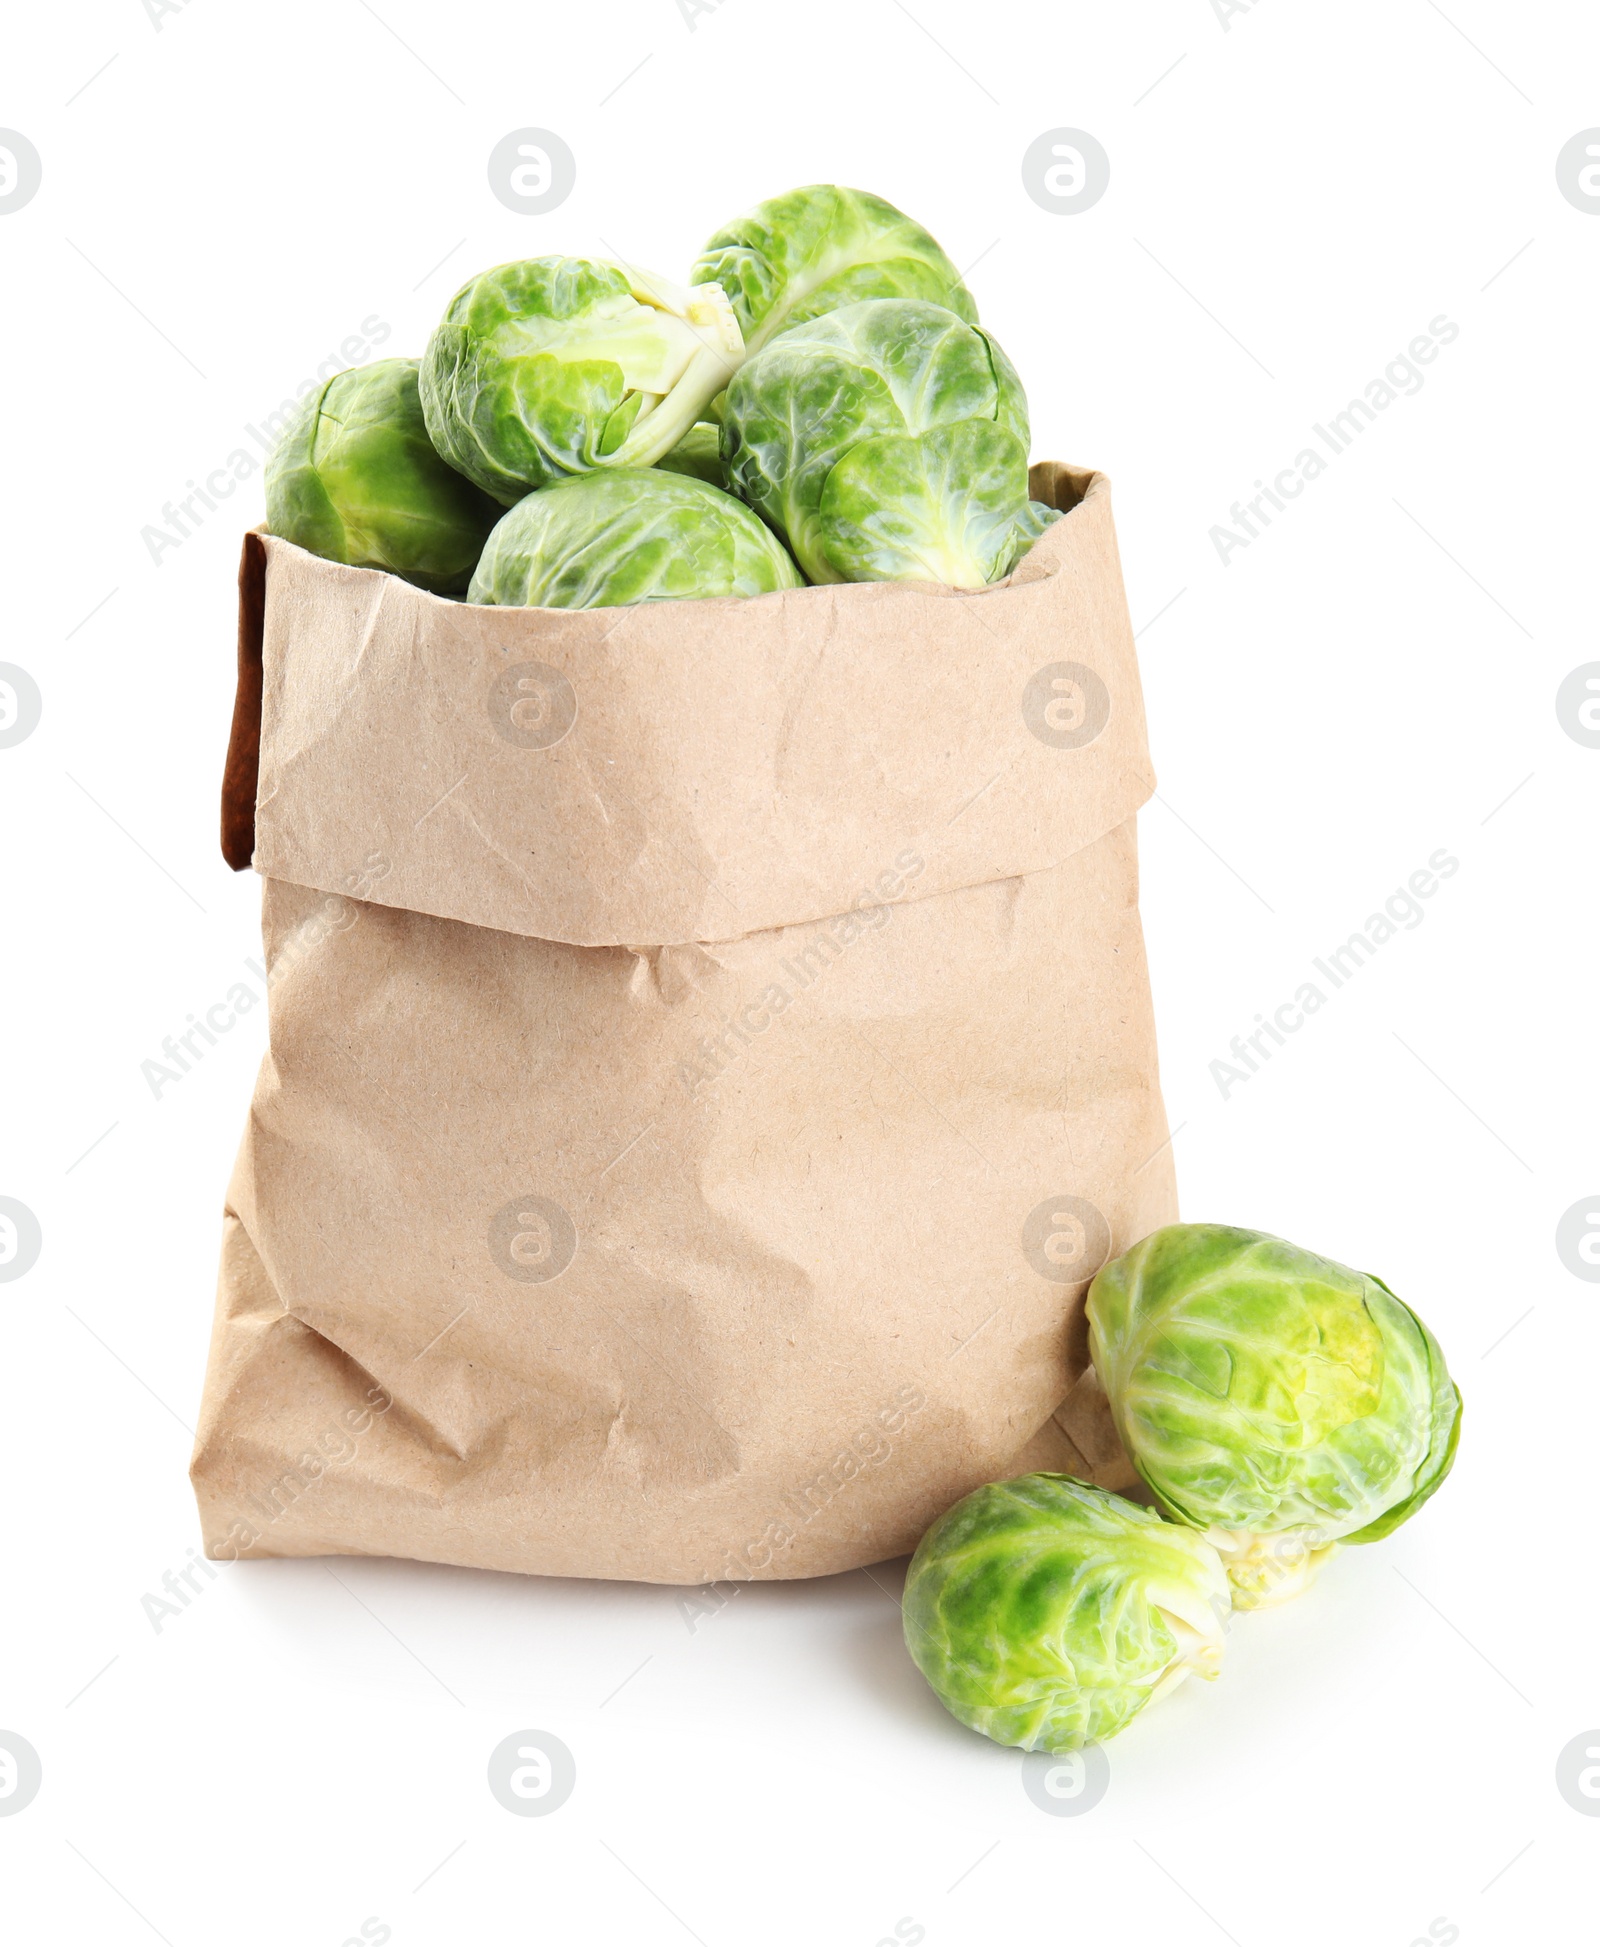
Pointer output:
x,y
711,1052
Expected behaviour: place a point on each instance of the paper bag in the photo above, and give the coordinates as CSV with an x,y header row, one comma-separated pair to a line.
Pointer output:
x,y
710,1052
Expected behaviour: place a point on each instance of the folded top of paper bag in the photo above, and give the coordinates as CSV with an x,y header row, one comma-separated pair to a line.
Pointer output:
x,y
696,771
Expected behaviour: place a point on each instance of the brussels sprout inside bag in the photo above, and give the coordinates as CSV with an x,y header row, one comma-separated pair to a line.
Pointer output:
x,y
816,250
354,478
1274,1399
555,365
606,540
887,441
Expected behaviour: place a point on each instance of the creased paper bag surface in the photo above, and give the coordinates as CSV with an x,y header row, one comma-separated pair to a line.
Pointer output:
x,y
702,1079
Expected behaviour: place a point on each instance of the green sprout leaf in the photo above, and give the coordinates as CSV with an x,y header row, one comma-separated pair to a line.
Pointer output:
x,y
699,454
557,365
818,249
354,478
605,540
887,441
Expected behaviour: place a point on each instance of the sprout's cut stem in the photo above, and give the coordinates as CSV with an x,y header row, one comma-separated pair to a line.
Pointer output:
x,y
719,354
1265,1570
654,434
1198,1652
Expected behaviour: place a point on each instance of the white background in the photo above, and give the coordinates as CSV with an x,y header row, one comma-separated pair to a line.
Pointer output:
x,y
1372,679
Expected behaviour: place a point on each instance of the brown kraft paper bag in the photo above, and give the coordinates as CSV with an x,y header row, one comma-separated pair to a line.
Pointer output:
x,y
710,1053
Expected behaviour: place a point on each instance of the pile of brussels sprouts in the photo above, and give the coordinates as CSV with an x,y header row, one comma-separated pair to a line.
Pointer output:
x,y
817,404
1275,1405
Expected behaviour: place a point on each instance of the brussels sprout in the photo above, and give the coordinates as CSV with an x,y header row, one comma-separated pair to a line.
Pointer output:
x,y
699,455
630,534
1272,1398
1033,521
354,479
558,364
1047,1613
887,441
818,249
